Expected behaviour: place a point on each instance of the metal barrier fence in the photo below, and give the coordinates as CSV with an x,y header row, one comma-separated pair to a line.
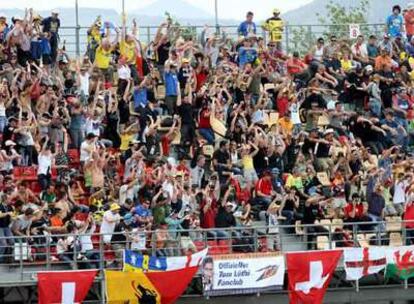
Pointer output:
x,y
295,37
22,257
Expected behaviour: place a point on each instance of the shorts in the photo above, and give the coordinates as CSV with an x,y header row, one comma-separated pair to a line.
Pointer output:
x,y
187,244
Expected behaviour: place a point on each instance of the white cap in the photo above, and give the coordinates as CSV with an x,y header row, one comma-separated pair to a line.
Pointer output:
x,y
410,6
55,11
17,18
10,143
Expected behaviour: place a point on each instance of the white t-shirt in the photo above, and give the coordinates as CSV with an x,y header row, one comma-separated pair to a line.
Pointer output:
x,y
124,72
139,239
84,83
45,163
92,126
399,192
85,149
106,226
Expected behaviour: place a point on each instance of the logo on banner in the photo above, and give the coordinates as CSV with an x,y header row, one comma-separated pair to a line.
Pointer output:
x,y
267,272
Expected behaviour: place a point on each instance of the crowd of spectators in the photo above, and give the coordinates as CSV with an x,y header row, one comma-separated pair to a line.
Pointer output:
x,y
139,141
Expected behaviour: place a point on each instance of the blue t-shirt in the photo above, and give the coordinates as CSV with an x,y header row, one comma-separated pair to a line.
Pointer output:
x,y
246,56
372,50
140,98
394,24
171,81
142,211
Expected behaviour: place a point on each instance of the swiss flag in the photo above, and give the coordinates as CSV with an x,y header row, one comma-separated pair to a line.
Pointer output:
x,y
309,274
64,287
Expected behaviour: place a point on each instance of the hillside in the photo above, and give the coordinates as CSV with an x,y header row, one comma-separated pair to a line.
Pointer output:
x,y
379,10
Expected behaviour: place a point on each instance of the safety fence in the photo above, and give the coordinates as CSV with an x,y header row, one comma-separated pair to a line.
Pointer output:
x,y
295,37
21,257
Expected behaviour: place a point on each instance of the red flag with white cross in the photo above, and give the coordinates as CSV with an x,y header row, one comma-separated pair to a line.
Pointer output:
x,y
66,287
309,274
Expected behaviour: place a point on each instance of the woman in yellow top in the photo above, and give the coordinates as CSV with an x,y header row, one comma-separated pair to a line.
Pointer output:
x,y
249,172
127,136
346,62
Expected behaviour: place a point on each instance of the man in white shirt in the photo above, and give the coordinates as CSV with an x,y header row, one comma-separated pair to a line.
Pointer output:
x,y
360,51
87,147
197,173
110,218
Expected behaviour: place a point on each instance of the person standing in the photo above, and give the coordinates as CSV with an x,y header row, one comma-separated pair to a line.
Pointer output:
x,y
248,26
274,25
409,21
51,26
394,22
110,218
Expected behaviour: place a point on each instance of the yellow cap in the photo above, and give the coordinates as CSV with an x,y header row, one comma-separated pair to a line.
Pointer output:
x,y
115,206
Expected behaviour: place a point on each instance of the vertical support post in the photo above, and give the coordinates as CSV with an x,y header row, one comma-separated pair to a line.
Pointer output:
x,y
216,17
287,49
77,29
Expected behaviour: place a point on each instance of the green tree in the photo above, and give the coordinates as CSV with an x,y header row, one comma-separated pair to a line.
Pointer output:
x,y
338,17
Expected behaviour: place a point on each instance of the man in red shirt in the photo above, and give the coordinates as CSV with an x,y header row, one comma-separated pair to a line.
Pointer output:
x,y
295,65
409,21
264,190
356,211
409,218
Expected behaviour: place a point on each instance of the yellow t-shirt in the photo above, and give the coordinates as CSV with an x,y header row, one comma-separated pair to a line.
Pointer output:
x,y
346,65
128,51
275,29
287,126
103,57
247,162
125,141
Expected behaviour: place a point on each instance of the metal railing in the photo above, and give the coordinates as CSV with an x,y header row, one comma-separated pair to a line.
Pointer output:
x,y
23,257
299,37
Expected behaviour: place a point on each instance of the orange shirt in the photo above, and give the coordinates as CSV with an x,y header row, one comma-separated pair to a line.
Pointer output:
x,y
56,221
409,22
380,62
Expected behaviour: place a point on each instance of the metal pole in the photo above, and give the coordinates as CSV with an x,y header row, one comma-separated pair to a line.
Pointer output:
x,y
77,28
216,17
123,7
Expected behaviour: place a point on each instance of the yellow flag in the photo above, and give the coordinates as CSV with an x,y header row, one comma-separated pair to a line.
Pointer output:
x,y
130,287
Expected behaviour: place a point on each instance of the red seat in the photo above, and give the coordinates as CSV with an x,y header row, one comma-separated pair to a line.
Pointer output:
x,y
25,173
224,246
200,245
263,244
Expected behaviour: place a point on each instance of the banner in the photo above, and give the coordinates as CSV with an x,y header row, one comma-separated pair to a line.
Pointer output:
x,y
163,287
244,273
135,261
360,262
65,287
309,274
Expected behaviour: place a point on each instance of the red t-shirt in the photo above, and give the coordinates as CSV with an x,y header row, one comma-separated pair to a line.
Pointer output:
x,y
165,144
295,70
359,210
264,186
409,215
208,218
282,105
204,122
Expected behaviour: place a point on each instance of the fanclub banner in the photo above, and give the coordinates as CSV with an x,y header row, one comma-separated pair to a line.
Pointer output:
x,y
241,274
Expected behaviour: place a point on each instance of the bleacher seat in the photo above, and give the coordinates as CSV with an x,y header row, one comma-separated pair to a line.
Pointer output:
x,y
322,242
393,224
395,239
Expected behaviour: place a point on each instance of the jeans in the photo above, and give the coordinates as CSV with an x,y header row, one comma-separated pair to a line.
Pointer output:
x,y
289,215
3,123
77,137
44,181
208,135
218,234
93,259
377,219
5,241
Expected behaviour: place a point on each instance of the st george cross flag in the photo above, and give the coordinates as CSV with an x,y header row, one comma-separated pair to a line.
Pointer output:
x,y
64,287
135,261
309,274
360,262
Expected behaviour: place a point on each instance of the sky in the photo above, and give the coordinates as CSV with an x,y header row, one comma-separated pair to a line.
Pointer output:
x,y
231,9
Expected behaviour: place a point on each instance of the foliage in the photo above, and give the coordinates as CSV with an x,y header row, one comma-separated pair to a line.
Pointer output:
x,y
338,17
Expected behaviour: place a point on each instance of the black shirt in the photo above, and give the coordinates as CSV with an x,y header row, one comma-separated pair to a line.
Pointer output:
x,y
311,213
163,52
5,221
221,157
224,219
185,111
322,150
